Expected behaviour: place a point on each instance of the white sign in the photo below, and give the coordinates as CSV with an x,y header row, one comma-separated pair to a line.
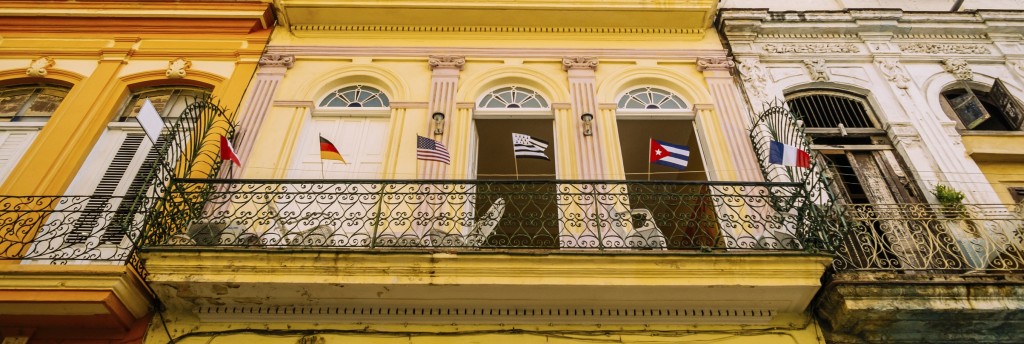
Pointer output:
x,y
150,120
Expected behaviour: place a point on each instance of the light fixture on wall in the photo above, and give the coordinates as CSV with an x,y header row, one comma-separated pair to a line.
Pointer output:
x,y
438,123
588,122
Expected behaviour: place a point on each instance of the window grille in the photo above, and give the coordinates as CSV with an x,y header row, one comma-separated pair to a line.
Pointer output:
x,y
649,98
830,110
357,96
513,97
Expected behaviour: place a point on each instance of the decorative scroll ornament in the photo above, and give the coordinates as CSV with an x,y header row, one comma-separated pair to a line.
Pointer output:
x,y
817,69
37,68
754,74
311,339
934,48
177,68
446,62
579,62
959,69
714,63
811,48
1017,67
277,60
894,72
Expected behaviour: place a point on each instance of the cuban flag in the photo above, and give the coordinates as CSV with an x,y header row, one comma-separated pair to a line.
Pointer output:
x,y
786,155
667,154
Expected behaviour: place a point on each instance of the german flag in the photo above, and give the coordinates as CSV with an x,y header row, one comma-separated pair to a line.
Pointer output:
x,y
328,151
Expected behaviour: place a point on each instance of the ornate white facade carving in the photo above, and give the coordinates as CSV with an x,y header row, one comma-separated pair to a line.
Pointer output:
x,y
894,72
579,62
755,76
446,62
789,48
816,69
715,63
935,48
37,68
1017,67
177,68
959,69
277,60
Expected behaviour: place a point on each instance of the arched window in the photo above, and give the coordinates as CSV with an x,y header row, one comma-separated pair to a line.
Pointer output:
x,y
650,98
857,153
354,119
23,111
649,113
977,109
512,97
110,173
356,96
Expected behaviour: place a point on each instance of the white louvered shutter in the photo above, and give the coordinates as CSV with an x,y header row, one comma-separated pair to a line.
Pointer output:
x,y
13,145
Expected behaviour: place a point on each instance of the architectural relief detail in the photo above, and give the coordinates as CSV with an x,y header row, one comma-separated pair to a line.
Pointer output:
x,y
1017,67
959,69
579,62
311,339
817,69
789,48
903,133
37,67
754,74
177,68
277,60
935,48
446,62
894,72
715,63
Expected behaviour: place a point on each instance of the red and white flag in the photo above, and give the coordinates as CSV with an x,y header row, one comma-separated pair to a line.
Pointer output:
x,y
227,152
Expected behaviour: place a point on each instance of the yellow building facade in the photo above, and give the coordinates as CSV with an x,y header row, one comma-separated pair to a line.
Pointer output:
x,y
73,75
392,245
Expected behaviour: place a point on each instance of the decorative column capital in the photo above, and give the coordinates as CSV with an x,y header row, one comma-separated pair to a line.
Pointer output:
x,y
277,60
446,62
37,68
579,62
959,69
715,63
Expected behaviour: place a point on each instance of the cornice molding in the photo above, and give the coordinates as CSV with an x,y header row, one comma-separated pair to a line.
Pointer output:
x,y
499,29
496,53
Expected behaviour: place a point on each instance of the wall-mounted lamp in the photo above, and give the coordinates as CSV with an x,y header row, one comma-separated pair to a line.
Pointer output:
x,y
588,122
438,123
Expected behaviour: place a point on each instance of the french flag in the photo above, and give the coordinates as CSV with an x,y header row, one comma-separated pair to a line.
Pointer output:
x,y
786,155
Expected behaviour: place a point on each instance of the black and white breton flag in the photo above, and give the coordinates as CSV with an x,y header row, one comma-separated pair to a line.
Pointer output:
x,y
529,147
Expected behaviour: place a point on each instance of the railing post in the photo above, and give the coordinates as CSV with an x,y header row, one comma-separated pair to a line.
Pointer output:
x,y
376,216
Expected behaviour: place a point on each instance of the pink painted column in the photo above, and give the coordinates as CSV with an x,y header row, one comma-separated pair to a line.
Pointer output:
x,y
272,68
444,83
583,93
733,116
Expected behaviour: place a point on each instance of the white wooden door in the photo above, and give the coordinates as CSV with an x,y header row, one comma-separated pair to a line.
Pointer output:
x,y
360,140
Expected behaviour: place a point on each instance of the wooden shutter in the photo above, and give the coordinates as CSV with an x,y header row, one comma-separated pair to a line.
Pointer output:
x,y
969,109
13,145
107,187
1012,109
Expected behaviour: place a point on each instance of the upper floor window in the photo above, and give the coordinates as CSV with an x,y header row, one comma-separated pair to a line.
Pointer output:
x,y
169,101
831,110
30,103
650,98
995,109
513,97
356,96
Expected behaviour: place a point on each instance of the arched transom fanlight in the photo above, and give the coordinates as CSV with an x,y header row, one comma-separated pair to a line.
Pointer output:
x,y
357,96
650,98
513,97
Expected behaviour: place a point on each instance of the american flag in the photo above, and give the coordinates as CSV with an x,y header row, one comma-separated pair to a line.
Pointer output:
x,y
428,149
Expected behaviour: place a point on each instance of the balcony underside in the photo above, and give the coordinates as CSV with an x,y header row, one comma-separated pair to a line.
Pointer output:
x,y
887,307
482,287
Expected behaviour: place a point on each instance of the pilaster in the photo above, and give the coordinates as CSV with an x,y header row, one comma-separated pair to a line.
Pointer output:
x,y
444,82
583,99
732,116
272,68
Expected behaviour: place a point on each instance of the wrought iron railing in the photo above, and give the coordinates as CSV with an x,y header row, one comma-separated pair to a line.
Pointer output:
x,y
70,229
483,214
906,237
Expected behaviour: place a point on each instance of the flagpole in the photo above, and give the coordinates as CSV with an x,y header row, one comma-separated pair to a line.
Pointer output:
x,y
515,161
649,139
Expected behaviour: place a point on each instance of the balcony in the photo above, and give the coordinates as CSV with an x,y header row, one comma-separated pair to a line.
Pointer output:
x,y
465,251
900,267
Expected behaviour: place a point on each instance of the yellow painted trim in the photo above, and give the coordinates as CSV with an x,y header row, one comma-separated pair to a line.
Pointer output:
x,y
367,74
475,86
690,87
